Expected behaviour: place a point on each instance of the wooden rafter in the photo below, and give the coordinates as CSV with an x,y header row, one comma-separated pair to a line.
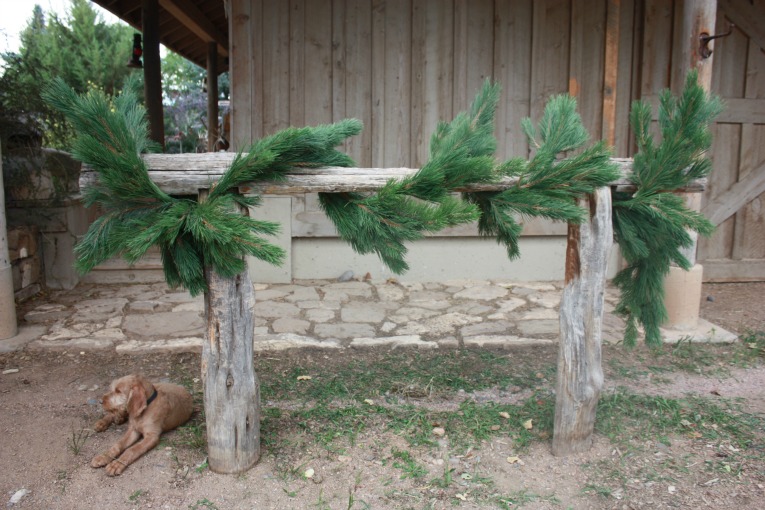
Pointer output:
x,y
190,16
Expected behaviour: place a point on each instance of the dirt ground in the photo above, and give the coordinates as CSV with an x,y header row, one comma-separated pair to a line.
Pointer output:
x,y
48,407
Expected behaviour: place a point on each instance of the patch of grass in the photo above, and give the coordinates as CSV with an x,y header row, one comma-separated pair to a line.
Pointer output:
x,y
623,414
415,375
203,503
446,478
751,351
352,501
473,423
625,371
77,440
321,503
522,497
599,490
136,495
694,357
405,462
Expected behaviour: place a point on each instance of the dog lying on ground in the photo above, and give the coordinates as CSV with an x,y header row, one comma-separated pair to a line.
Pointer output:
x,y
150,409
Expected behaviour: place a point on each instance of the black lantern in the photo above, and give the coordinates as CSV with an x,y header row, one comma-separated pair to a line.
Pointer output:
x,y
135,58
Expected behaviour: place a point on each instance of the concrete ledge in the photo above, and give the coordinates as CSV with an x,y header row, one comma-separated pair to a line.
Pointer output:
x,y
188,344
284,341
78,344
24,336
504,341
703,332
394,342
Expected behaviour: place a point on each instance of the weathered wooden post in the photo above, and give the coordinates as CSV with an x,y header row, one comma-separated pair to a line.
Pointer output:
x,y
7,303
580,376
230,384
231,387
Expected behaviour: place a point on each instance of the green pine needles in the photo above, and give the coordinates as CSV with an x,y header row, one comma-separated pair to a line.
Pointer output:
x,y
651,225
191,235
548,185
462,154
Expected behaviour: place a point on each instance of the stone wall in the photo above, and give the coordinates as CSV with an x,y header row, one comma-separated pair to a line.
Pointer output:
x,y
26,261
46,216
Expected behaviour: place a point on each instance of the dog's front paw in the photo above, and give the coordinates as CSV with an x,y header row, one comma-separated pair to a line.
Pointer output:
x,y
115,468
100,461
102,424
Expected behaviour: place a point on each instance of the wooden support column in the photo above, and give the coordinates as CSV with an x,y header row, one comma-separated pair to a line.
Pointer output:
x,y
152,70
683,288
611,72
8,327
231,386
580,376
212,96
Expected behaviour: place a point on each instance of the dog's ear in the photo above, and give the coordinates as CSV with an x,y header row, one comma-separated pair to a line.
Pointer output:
x,y
136,403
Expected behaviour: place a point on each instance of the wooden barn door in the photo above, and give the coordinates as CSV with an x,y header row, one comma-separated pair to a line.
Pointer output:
x,y
735,199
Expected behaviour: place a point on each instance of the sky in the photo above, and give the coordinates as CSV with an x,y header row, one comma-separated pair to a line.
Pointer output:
x,y
16,14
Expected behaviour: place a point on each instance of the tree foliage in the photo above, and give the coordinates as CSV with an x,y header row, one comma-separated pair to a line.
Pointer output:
x,y
651,225
184,87
81,49
191,235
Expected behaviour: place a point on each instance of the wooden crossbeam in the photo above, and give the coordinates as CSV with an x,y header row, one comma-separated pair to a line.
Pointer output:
x,y
190,15
186,174
727,204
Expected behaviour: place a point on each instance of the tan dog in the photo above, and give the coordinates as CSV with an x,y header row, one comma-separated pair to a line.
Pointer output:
x,y
150,410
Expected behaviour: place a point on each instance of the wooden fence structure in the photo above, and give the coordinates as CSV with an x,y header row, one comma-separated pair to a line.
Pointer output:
x,y
580,377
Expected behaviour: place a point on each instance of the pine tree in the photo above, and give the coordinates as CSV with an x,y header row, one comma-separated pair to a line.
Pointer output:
x,y
80,48
651,224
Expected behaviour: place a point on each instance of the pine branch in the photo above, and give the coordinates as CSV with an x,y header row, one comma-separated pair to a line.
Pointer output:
x,y
461,153
548,186
191,236
651,225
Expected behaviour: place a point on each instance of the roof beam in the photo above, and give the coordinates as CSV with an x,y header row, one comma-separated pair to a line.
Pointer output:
x,y
190,15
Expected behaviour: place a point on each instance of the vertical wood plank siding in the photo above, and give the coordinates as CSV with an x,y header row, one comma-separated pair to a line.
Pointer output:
x,y
400,66
403,65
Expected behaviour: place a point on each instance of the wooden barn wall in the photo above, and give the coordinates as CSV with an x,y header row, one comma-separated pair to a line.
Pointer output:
x,y
736,251
402,65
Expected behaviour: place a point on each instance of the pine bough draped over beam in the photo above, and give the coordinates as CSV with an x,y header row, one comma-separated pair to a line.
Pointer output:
x,y
649,224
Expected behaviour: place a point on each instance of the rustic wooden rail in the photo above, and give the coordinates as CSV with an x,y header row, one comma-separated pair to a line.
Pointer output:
x,y
580,376
186,174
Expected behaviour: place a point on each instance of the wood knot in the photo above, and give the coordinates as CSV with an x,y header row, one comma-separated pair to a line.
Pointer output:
x,y
229,381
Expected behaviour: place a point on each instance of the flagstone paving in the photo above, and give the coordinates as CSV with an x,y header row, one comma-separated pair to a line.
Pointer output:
x,y
309,314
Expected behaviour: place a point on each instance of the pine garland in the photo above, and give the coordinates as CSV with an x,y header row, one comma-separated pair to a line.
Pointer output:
x,y
548,186
651,225
461,153
111,135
